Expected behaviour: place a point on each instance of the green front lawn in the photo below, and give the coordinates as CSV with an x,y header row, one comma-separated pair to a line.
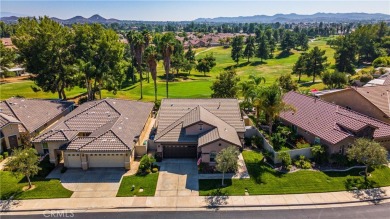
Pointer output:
x,y
264,180
147,182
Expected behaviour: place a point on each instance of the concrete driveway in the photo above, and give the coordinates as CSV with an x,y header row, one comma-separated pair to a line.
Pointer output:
x,y
93,183
178,177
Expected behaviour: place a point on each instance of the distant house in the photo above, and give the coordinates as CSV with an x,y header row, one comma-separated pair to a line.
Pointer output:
x,y
198,128
7,42
381,80
101,133
29,116
371,101
321,122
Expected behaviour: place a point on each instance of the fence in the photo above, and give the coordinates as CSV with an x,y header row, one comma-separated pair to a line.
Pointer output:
x,y
251,131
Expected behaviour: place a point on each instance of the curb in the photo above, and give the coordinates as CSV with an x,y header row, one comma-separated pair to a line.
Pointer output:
x,y
374,201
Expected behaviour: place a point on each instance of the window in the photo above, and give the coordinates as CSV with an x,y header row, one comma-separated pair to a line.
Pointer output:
x,y
317,140
45,146
213,154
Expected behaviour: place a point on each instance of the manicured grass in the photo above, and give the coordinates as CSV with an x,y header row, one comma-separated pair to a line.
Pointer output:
x,y
197,85
265,180
147,182
12,184
23,88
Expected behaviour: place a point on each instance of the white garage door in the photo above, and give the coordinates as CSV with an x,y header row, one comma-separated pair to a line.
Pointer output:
x,y
73,160
106,160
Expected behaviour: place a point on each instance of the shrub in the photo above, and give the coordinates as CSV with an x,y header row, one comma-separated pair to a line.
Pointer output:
x,y
258,141
286,159
146,163
381,62
5,154
155,170
147,171
83,100
64,169
302,143
366,78
278,141
158,157
319,154
302,163
248,141
1,157
339,159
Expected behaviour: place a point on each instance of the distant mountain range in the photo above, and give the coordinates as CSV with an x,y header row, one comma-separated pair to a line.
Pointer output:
x,y
282,18
289,18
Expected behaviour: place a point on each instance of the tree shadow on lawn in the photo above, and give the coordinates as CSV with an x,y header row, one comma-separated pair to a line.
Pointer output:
x,y
284,54
309,84
131,87
218,197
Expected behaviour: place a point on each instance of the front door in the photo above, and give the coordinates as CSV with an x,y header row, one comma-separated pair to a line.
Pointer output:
x,y
13,141
3,145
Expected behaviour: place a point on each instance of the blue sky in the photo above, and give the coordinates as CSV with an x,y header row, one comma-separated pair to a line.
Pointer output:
x,y
185,10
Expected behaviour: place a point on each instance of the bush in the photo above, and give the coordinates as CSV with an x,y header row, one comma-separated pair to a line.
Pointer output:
x,y
64,169
83,100
286,159
146,163
381,62
278,141
339,159
248,141
258,141
5,154
366,78
1,157
302,163
302,143
158,156
319,154
155,170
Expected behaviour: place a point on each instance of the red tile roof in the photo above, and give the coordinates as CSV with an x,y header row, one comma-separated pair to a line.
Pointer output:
x,y
329,121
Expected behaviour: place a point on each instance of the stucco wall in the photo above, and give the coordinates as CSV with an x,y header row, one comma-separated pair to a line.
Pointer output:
x,y
216,146
350,98
10,130
52,146
194,129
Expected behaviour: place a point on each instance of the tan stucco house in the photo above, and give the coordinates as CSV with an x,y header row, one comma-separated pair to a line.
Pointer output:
x,y
198,128
321,122
28,116
101,133
371,101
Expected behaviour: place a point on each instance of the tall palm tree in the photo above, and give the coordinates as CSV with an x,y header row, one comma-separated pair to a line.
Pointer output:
x,y
151,58
148,39
167,45
272,104
139,48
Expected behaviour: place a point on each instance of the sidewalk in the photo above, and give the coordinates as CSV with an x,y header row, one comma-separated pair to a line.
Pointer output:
x,y
291,201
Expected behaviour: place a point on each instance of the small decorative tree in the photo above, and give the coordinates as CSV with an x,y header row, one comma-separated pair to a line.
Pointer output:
x,y
24,161
227,159
368,152
286,159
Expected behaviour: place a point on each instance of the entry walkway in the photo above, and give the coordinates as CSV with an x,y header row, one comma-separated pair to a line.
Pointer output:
x,y
264,202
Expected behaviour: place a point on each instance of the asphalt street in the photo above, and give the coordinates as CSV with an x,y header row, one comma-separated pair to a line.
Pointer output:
x,y
371,212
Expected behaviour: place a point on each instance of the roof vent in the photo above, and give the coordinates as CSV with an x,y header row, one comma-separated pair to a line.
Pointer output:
x,y
219,105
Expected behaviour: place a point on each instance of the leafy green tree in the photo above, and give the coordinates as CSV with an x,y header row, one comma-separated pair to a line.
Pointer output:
x,y
100,57
345,54
334,79
7,57
226,85
263,49
151,54
299,67
319,153
315,62
45,46
166,47
227,160
303,41
367,152
178,57
288,41
206,64
24,161
146,163
287,83
190,55
237,46
250,48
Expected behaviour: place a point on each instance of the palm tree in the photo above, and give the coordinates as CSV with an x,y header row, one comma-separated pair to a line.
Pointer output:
x,y
148,39
272,104
257,79
151,58
167,45
130,39
139,48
